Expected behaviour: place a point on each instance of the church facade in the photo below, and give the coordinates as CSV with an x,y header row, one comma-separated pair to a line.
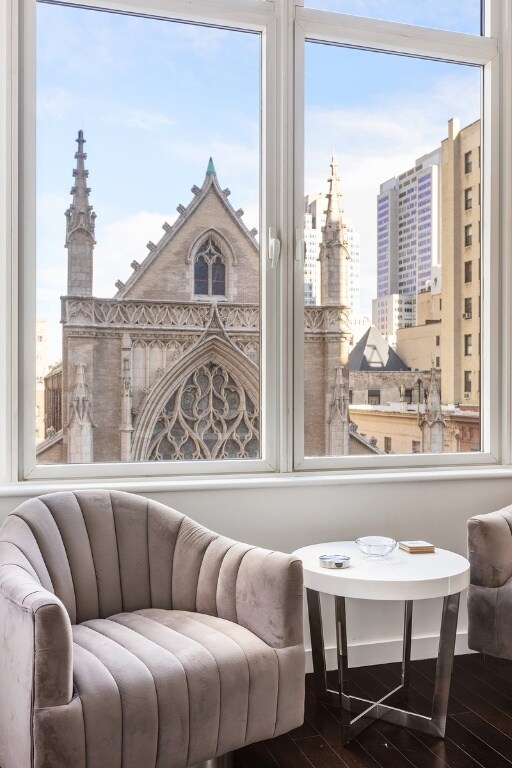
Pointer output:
x,y
169,367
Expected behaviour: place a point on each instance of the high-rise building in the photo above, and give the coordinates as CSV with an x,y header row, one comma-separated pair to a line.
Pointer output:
x,y
448,326
407,242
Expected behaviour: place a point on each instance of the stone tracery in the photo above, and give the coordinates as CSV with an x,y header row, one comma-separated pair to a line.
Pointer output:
x,y
210,416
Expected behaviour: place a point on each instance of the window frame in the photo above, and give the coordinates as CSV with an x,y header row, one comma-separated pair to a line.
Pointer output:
x,y
252,16
282,139
369,34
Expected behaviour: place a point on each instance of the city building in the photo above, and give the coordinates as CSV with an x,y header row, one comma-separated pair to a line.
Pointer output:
x,y
407,243
41,369
447,332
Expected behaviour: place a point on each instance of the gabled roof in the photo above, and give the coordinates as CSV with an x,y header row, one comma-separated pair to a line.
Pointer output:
x,y
373,353
210,182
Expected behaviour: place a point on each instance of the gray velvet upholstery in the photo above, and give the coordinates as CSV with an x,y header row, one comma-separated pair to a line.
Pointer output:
x,y
133,637
490,590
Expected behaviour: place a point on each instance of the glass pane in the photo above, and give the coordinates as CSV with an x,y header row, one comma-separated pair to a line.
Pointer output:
x,y
452,15
150,121
391,275
201,277
218,278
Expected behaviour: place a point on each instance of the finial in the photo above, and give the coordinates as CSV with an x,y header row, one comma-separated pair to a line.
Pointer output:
x,y
80,141
210,171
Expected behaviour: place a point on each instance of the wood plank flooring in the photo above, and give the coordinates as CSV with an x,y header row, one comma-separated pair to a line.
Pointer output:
x,y
478,732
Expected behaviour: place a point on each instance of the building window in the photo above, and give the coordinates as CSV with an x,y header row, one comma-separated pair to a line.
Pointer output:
x,y
468,199
416,446
468,271
468,235
374,397
467,382
468,308
387,445
468,162
209,271
468,344
438,362
408,396
438,341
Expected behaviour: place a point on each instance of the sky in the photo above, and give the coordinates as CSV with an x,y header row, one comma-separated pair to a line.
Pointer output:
x,y
151,120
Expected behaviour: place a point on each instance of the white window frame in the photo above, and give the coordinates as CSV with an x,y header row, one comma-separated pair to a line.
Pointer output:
x,y
251,15
492,53
284,25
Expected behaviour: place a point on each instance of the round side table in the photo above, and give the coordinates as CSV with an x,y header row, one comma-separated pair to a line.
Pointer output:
x,y
399,576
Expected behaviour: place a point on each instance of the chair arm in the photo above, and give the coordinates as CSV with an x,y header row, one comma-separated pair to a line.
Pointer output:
x,y
32,617
490,548
269,595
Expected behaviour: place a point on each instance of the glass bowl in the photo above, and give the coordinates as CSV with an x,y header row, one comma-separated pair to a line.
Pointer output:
x,y
376,546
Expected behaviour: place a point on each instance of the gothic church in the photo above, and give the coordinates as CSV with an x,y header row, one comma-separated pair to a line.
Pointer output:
x,y
169,368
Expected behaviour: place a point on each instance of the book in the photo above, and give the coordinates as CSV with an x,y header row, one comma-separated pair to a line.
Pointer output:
x,y
416,547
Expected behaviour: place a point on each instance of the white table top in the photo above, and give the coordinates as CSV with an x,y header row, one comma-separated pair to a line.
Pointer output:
x,y
399,576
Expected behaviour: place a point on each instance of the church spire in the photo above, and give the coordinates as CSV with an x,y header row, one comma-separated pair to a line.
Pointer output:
x,y
80,219
432,423
334,260
334,211
334,253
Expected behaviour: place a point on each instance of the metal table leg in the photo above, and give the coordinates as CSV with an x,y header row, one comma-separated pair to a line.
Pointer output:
x,y
383,709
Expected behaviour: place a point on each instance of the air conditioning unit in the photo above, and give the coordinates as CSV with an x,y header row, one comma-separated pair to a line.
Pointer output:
x,y
467,315
467,395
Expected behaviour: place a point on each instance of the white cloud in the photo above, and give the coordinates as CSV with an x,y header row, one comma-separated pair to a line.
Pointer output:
x,y
146,120
122,241
377,142
237,166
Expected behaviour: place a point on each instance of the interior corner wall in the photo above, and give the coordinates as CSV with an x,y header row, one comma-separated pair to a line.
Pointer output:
x,y
290,517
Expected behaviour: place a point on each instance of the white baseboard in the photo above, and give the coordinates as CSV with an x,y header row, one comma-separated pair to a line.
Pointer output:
x,y
386,651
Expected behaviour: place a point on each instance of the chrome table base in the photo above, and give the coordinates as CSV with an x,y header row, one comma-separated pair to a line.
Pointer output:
x,y
367,712
226,761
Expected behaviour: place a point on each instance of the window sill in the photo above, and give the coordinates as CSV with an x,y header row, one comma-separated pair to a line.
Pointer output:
x,y
248,482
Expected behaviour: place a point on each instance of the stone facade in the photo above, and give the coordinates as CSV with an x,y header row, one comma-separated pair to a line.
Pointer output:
x,y
169,368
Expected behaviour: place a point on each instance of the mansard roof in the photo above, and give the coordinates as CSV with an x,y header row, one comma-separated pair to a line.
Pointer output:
x,y
373,353
210,183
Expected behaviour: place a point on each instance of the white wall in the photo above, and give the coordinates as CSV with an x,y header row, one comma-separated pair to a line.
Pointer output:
x,y
290,517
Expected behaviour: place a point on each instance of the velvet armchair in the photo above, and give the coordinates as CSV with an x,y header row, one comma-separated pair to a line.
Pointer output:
x,y
133,636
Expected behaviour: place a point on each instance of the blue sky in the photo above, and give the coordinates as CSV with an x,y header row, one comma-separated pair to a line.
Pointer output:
x,y
155,99
454,15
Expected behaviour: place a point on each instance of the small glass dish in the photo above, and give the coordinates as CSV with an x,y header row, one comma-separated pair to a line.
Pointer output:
x,y
376,546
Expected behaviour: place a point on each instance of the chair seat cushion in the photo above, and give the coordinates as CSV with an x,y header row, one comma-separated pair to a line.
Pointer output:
x,y
171,688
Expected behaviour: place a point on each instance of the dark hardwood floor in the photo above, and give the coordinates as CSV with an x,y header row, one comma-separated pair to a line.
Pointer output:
x,y
478,732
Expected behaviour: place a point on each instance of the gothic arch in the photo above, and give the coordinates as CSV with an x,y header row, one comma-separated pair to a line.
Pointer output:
x,y
223,242
204,407
225,262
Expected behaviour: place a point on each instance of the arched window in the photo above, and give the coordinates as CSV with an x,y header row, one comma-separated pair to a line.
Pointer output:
x,y
210,416
209,270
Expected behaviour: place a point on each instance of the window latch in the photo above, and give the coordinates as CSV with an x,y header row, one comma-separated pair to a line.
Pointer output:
x,y
274,246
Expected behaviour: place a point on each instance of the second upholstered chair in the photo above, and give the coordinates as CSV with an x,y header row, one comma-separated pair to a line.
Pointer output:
x,y
133,636
490,589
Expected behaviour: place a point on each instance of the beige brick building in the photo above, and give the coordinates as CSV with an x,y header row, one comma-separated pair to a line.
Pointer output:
x,y
448,331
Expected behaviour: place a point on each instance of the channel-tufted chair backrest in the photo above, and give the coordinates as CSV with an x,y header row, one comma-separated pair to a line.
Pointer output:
x,y
105,552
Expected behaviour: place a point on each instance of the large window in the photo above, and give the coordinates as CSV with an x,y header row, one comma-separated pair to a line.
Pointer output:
x,y
247,234
158,287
